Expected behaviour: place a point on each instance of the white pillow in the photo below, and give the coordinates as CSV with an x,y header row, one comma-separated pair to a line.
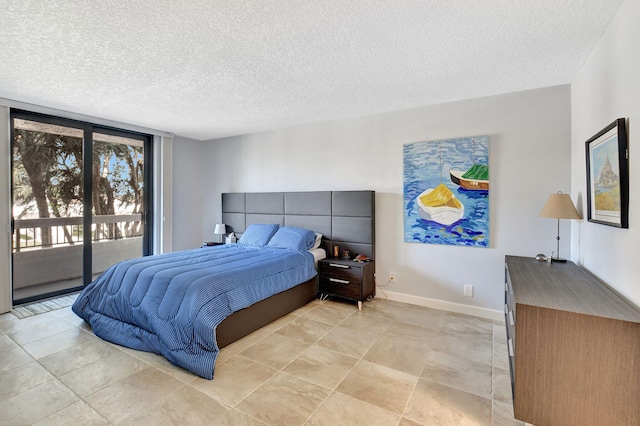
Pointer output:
x,y
318,241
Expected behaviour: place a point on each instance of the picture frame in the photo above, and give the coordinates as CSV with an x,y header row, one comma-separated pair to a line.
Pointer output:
x,y
608,176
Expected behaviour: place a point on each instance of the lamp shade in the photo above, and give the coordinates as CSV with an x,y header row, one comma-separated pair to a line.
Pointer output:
x,y
220,228
560,206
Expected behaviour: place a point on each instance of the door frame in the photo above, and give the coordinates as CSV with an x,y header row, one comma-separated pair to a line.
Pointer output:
x,y
87,158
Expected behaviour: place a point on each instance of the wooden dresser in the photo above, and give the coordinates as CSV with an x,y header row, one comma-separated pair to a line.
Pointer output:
x,y
574,346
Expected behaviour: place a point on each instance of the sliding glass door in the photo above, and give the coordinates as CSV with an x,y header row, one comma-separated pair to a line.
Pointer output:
x,y
81,199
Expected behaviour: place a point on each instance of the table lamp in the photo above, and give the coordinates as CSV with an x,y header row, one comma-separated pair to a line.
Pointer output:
x,y
559,206
220,229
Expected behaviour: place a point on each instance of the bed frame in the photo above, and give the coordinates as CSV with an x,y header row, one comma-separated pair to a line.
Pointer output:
x,y
344,218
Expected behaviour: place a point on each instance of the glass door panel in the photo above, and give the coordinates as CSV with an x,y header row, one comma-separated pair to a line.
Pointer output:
x,y
47,191
117,226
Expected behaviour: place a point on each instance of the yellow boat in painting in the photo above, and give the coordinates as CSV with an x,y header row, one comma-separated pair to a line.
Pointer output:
x,y
440,205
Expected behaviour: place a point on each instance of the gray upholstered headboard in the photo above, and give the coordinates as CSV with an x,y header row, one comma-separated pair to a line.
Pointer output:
x,y
344,218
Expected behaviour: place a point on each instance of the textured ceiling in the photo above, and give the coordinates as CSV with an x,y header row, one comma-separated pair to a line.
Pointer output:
x,y
207,69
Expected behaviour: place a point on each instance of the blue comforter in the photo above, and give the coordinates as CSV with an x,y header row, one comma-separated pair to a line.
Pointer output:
x,y
172,303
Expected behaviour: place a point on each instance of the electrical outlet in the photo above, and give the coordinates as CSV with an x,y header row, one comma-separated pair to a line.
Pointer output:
x,y
468,290
392,275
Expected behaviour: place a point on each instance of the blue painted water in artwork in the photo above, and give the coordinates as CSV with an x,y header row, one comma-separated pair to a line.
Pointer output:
x,y
426,165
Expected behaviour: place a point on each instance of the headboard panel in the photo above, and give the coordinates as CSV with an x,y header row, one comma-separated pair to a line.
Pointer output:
x,y
345,218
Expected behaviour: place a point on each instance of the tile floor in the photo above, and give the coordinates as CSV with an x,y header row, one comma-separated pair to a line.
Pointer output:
x,y
324,364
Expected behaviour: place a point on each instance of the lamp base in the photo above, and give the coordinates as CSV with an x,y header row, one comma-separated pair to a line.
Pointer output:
x,y
558,260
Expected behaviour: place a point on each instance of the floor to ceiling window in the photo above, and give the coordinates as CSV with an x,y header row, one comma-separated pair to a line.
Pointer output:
x,y
81,200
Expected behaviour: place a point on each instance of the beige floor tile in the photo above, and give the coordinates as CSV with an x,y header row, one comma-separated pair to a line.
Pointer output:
x,y
77,321
340,409
77,356
502,386
22,378
499,333
306,308
433,319
382,308
284,400
400,354
55,343
500,355
79,413
435,404
364,322
7,344
13,358
305,330
133,394
185,406
13,324
378,385
332,313
503,415
234,380
41,331
406,422
37,403
457,372
348,341
276,351
238,418
467,324
478,349
242,344
415,333
101,373
364,355
7,317
321,366
162,364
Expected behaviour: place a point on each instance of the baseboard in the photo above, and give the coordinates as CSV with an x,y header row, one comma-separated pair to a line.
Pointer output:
x,y
459,308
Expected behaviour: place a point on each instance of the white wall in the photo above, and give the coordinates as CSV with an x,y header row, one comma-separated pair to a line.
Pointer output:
x,y
187,189
608,87
529,155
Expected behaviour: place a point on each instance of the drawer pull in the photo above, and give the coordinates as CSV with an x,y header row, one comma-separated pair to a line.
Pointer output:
x,y
510,344
335,280
337,265
511,320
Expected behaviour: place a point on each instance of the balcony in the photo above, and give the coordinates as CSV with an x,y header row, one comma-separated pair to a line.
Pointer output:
x,y
47,252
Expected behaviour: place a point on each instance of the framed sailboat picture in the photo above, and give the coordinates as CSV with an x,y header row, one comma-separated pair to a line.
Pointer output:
x,y
608,176
446,192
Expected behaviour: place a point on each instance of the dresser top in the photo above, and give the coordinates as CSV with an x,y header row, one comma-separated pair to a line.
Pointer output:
x,y
567,287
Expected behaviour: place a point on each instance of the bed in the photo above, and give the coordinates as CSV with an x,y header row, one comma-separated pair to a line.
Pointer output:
x,y
120,307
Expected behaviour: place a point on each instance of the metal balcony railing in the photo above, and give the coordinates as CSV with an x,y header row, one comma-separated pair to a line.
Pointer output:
x,y
59,231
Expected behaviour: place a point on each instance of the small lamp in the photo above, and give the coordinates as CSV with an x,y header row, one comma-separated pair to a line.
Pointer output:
x,y
220,229
559,206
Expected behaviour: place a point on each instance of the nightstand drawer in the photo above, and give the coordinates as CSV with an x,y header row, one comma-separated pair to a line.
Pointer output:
x,y
348,273
346,288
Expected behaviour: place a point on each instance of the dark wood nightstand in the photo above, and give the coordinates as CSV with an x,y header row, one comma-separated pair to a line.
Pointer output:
x,y
347,279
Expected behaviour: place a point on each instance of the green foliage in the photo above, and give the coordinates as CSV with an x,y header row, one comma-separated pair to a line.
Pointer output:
x,y
47,170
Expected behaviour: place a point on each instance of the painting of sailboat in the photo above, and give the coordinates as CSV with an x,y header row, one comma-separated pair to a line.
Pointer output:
x,y
446,192
474,179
